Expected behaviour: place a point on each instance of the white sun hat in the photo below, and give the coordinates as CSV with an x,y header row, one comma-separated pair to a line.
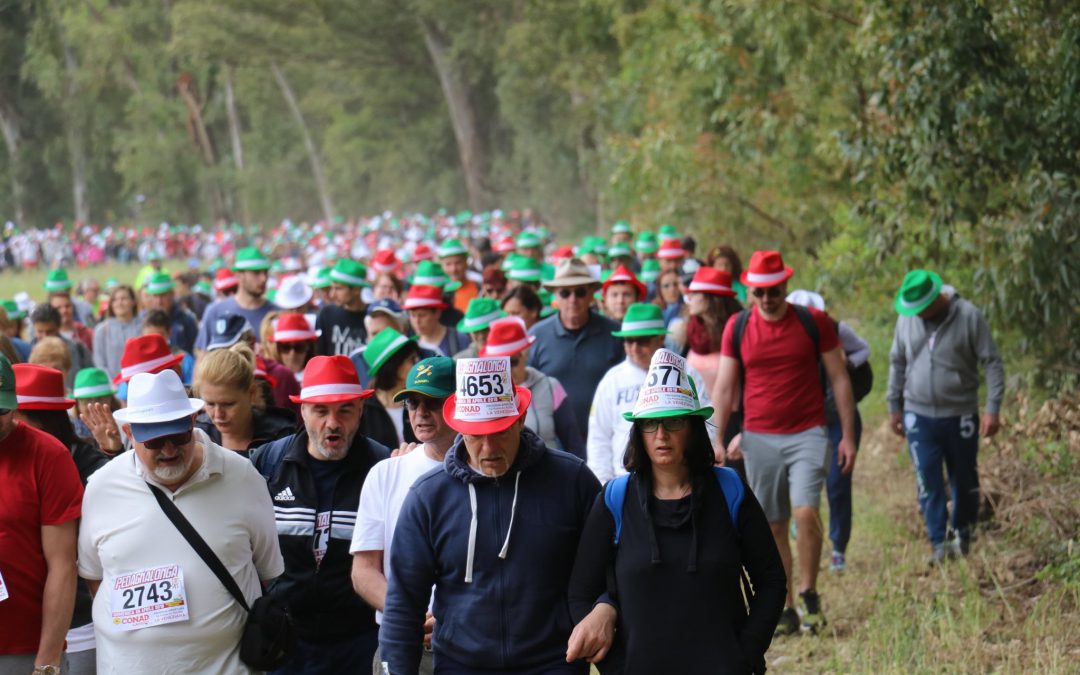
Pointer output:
x,y
158,405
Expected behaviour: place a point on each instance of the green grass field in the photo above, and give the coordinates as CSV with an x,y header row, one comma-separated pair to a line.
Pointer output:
x,y
33,281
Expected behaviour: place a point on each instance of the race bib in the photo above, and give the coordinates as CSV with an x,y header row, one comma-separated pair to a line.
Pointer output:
x,y
3,589
484,389
322,536
149,597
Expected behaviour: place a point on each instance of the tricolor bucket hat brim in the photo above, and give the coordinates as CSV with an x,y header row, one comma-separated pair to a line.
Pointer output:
x,y
705,412
485,427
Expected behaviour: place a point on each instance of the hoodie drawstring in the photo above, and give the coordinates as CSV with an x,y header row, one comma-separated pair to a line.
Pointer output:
x,y
472,535
513,510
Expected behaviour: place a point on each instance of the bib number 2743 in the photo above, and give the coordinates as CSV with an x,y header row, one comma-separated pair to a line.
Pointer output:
x,y
148,597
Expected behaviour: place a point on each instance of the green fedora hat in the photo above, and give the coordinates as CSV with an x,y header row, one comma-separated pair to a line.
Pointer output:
x,y
528,240
919,289
92,383
452,247
524,268
159,283
8,400
382,347
57,281
322,278
620,227
434,377
250,259
349,272
479,315
668,232
646,243
642,319
650,270
429,273
619,250
546,296
673,392
508,261
13,311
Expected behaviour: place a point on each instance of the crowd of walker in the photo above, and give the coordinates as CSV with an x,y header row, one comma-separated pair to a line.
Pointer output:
x,y
452,446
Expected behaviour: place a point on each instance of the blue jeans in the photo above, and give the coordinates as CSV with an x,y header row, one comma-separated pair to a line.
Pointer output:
x,y
353,655
838,487
954,442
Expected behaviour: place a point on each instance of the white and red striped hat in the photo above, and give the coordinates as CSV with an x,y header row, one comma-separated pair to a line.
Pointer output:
x,y
713,281
331,379
293,328
505,245
385,260
766,269
145,354
225,279
422,252
671,249
421,296
507,337
40,388
623,275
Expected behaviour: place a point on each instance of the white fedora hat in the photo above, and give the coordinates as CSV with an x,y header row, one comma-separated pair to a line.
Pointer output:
x,y
293,292
158,405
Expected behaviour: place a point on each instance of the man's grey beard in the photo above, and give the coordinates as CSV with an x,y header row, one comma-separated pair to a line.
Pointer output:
x,y
332,455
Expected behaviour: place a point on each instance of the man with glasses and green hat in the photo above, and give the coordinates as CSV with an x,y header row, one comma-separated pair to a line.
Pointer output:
x,y
939,344
252,270
342,320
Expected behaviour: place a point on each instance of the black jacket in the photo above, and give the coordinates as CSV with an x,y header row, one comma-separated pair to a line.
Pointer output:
x,y
270,424
377,425
320,597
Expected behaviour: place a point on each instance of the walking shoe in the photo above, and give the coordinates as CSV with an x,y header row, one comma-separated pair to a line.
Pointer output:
x,y
788,624
956,545
939,555
813,619
838,563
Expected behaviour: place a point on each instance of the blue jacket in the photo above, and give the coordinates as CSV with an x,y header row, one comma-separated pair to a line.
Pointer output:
x,y
513,612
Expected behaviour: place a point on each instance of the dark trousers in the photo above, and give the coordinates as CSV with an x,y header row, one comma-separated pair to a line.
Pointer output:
x,y
951,443
444,665
838,487
353,655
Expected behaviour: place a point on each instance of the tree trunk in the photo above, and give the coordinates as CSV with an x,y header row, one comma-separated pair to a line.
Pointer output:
x,y
237,144
76,138
472,151
9,127
309,144
185,86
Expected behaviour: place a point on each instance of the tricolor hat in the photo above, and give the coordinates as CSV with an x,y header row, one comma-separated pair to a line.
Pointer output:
x,y
159,283
293,328
622,275
918,291
650,270
349,272
57,281
250,259
331,379
385,260
146,354
671,249
92,383
485,400
432,377
643,319
504,245
40,388
224,279
422,252
528,240
766,269
381,347
524,268
479,315
620,227
293,292
509,261
507,337
452,247
673,393
13,311
424,296
713,281
429,273
646,243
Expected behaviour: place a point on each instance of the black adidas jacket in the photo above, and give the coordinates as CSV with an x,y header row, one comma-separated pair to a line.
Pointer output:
x,y
320,597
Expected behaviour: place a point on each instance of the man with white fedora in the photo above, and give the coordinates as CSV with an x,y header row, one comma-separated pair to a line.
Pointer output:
x,y
314,477
575,345
495,531
158,607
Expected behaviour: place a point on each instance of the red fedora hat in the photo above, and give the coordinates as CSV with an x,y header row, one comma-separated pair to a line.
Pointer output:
x,y
486,414
145,354
505,245
766,269
671,249
422,252
622,275
385,260
507,337
331,379
424,296
293,328
225,279
40,388
713,281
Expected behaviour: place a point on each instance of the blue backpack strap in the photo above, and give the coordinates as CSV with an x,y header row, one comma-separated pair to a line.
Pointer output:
x,y
267,458
732,486
614,498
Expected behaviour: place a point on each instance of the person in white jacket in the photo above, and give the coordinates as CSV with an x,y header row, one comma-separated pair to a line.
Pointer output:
x,y
643,333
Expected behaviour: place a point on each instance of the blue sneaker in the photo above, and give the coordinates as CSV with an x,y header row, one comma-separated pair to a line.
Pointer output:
x,y
838,563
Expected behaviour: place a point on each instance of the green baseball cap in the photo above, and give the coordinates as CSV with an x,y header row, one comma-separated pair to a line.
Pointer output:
x,y
349,272
250,259
433,377
642,319
919,289
159,283
92,383
57,281
479,315
8,400
382,347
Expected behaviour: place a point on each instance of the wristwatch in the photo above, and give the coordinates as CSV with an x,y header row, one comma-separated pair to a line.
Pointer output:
x,y
46,670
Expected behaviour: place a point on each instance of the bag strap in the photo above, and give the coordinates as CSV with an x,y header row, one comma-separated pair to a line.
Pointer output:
x,y
173,513
614,497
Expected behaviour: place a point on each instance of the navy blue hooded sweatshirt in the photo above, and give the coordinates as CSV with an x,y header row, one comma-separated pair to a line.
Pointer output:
x,y
501,583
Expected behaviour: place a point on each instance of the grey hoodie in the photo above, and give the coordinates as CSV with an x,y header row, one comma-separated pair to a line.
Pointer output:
x,y
939,377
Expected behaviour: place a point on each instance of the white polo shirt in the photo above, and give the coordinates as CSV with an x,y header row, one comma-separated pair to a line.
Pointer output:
x,y
124,530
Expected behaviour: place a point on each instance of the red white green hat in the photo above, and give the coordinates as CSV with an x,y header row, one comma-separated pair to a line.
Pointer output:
x,y
57,281
479,315
671,249
250,259
331,379
159,283
452,247
92,383
643,319
145,354
668,391
424,296
712,281
381,347
485,400
294,328
429,273
623,275
349,272
40,388
507,337
917,292
766,269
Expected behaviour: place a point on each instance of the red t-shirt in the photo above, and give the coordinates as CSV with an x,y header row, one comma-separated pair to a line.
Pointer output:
x,y
39,485
782,392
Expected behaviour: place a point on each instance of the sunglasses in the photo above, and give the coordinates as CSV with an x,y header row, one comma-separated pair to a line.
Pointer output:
x,y
291,347
670,424
515,361
579,292
773,292
176,440
638,340
6,411
413,403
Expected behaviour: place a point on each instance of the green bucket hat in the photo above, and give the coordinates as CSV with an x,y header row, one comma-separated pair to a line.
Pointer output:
x,y
672,392
668,232
524,268
919,289
429,273
528,240
92,383
646,243
452,247
479,315
159,283
203,288
642,319
8,400
434,377
57,281
350,273
13,311
322,278
250,259
620,227
382,347
650,270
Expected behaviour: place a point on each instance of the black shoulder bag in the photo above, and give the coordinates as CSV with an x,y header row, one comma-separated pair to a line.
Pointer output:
x,y
268,639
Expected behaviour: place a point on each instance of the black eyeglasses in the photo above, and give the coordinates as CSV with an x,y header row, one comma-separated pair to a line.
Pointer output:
x,y
670,424
291,347
638,340
773,292
579,292
413,403
5,411
176,440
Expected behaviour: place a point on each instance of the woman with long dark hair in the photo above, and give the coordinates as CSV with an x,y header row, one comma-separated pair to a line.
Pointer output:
x,y
711,302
